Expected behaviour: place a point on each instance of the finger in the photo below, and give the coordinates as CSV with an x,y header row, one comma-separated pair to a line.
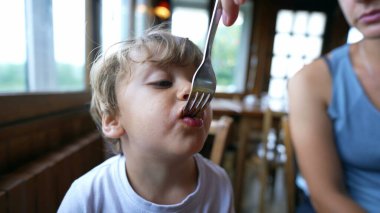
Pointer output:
x,y
239,2
230,11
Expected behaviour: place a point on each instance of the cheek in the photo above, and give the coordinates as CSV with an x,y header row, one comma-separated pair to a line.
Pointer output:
x,y
208,118
347,8
155,113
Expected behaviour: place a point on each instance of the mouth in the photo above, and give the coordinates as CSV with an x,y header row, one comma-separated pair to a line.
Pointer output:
x,y
370,17
192,120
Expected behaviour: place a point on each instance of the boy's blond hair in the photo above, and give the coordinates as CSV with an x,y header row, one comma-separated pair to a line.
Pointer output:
x,y
157,46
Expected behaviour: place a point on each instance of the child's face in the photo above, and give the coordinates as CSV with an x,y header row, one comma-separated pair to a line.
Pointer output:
x,y
150,112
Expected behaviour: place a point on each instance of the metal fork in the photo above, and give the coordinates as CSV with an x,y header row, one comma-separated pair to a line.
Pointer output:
x,y
204,80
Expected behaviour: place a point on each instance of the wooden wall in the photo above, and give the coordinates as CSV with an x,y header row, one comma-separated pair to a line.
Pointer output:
x,y
46,141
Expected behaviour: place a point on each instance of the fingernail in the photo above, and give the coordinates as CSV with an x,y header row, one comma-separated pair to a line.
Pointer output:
x,y
226,20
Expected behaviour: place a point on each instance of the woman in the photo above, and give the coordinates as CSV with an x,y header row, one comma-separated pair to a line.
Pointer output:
x,y
335,118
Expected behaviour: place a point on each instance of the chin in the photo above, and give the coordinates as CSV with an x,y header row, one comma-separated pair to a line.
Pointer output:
x,y
194,147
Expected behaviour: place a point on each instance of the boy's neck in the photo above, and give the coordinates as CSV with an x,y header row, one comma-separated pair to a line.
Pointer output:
x,y
163,183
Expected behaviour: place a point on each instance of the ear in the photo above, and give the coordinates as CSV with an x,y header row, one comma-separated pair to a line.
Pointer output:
x,y
111,127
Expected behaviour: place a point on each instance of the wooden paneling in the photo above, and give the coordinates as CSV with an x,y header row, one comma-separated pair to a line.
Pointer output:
x,y
14,108
46,142
39,186
3,156
3,202
25,141
19,188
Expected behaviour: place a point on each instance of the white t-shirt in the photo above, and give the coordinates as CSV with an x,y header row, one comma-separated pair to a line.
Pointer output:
x,y
106,189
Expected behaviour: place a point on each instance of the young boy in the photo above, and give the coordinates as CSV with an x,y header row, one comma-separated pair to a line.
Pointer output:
x,y
139,92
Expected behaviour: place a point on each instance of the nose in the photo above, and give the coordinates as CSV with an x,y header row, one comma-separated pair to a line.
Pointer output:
x,y
184,91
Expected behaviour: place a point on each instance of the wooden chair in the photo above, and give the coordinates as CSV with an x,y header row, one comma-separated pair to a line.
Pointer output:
x,y
220,129
268,159
290,167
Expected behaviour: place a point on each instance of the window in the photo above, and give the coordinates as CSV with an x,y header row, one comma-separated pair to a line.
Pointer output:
x,y
231,44
42,48
123,19
298,41
12,46
69,44
185,27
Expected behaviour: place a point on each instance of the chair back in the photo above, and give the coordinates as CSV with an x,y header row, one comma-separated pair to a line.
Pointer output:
x,y
269,159
221,129
290,166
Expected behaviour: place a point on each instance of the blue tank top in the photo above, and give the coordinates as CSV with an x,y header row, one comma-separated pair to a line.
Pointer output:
x,y
356,124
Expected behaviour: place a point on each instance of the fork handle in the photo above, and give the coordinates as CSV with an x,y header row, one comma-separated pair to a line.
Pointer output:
x,y
216,14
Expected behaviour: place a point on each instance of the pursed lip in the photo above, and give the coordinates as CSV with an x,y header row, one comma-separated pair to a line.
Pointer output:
x,y
193,122
370,16
181,114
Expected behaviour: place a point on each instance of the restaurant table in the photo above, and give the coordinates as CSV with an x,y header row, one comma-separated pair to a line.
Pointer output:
x,y
246,116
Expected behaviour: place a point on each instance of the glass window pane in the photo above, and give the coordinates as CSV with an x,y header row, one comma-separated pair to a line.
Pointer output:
x,y
69,43
297,46
316,25
277,88
284,21
292,50
313,47
190,23
279,66
224,53
300,22
13,46
111,23
294,65
282,44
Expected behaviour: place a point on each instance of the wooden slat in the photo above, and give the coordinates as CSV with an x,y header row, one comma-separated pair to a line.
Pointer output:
x,y
221,128
19,187
3,202
40,186
73,120
290,167
24,106
26,141
75,160
46,191
3,156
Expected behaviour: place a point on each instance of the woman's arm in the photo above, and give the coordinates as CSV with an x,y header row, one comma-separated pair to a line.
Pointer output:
x,y
311,129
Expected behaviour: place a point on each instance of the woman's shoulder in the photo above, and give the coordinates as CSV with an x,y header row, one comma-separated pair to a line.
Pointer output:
x,y
319,70
312,83
312,72
313,78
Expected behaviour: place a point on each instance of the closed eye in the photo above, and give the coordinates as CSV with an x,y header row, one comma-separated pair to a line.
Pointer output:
x,y
162,84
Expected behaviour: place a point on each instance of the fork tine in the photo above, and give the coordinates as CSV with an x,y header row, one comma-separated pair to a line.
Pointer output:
x,y
190,102
206,101
193,103
200,99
